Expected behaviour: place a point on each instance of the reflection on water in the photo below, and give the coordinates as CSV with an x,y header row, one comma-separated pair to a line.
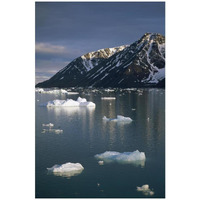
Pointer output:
x,y
150,114
70,110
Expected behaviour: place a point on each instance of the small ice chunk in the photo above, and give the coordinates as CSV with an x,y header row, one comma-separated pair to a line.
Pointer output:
x,y
66,170
101,162
58,131
72,93
44,130
62,91
119,118
135,157
108,98
51,130
48,125
145,190
109,90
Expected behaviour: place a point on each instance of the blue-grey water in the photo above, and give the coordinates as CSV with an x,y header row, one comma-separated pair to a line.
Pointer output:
x,y
85,134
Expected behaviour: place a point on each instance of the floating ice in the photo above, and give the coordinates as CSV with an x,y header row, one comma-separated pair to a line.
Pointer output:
x,y
48,125
108,98
101,162
145,190
66,170
72,93
119,118
130,89
109,90
55,91
135,157
58,131
62,91
40,90
81,102
50,130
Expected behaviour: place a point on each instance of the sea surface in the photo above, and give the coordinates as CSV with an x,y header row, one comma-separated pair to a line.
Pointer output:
x,y
86,134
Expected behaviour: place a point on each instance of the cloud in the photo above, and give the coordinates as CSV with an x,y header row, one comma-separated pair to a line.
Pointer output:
x,y
45,69
39,79
47,48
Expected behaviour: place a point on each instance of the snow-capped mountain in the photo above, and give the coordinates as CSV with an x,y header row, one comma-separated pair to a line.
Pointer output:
x,y
76,70
138,65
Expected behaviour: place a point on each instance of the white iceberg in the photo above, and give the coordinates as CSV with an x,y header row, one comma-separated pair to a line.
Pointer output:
x,y
66,170
119,118
137,158
108,98
48,125
62,91
81,102
145,190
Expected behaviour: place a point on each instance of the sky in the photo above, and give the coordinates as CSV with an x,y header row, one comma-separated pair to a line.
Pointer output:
x,y
67,30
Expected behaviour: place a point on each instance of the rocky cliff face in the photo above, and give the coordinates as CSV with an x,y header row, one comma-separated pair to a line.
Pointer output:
x,y
139,65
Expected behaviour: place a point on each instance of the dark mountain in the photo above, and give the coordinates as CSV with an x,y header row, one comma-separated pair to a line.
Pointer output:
x,y
141,64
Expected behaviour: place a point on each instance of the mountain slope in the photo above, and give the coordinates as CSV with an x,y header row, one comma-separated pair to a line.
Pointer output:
x,y
139,65
76,70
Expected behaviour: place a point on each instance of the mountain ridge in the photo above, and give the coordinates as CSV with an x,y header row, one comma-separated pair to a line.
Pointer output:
x,y
141,64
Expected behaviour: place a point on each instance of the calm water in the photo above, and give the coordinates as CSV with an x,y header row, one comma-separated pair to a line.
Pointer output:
x,y
85,134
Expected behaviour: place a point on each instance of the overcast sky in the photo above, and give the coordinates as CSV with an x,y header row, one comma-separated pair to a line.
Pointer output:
x,y
67,30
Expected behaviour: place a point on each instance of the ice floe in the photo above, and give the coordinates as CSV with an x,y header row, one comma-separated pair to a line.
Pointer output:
x,y
51,91
108,98
109,90
51,130
119,118
72,93
66,170
101,162
56,91
137,158
145,190
48,125
80,102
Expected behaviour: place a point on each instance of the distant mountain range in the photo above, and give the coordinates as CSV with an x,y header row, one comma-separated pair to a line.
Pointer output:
x,y
141,64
